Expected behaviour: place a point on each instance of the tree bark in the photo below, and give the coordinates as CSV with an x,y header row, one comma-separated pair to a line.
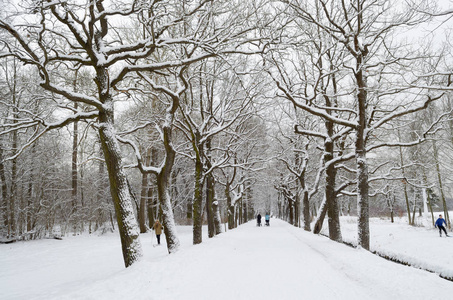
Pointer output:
x,y
13,187
4,189
210,194
217,217
333,211
362,166
122,199
403,173
143,202
441,188
144,195
360,142
322,214
163,185
230,207
198,204
306,210
74,171
119,187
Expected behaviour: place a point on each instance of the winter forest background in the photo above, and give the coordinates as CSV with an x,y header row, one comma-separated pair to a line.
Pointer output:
x,y
117,113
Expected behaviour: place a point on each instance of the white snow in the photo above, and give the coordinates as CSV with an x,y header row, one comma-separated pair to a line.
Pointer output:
x,y
420,246
276,262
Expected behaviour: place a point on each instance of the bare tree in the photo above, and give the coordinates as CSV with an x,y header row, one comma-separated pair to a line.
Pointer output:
x,y
367,51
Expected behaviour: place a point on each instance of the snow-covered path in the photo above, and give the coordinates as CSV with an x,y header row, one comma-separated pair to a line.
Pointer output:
x,y
277,262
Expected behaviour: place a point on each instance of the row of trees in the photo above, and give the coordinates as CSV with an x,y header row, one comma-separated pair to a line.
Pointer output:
x,y
207,110
364,88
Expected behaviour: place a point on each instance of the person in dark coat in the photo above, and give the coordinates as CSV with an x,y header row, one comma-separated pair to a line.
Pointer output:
x,y
440,224
157,227
258,220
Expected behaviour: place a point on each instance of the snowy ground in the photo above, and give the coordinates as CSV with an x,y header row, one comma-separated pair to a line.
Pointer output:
x,y
419,246
277,262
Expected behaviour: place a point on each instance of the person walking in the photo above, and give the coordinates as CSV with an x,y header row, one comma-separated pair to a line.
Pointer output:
x,y
157,227
258,220
267,218
440,224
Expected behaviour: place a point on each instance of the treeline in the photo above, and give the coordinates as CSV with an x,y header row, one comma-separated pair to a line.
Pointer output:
x,y
201,112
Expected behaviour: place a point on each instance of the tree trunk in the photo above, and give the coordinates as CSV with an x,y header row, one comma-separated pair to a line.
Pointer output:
x,y
362,201
151,206
428,198
198,193
297,210
122,199
230,207
163,187
198,204
217,217
153,203
333,211
74,172
143,202
144,196
360,144
430,208
13,194
321,215
210,194
291,211
30,211
168,220
441,189
4,190
306,210
119,187
406,197
236,215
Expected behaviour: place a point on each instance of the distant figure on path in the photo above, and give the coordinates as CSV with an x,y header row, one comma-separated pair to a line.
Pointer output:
x,y
157,227
440,224
267,217
258,220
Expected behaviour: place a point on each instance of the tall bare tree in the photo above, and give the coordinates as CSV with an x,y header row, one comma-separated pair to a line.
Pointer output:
x,y
363,32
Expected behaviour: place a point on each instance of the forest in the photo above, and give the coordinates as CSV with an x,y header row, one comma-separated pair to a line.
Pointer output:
x,y
196,112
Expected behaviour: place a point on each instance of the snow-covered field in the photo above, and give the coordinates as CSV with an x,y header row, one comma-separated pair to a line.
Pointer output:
x,y
277,262
421,246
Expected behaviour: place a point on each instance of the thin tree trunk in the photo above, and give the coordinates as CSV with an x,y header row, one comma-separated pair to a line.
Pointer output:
x,y
74,172
163,187
198,204
217,217
198,192
143,202
406,197
4,189
210,194
439,179
428,198
241,211
332,203
13,194
306,210
230,207
153,203
321,215
144,195
297,210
